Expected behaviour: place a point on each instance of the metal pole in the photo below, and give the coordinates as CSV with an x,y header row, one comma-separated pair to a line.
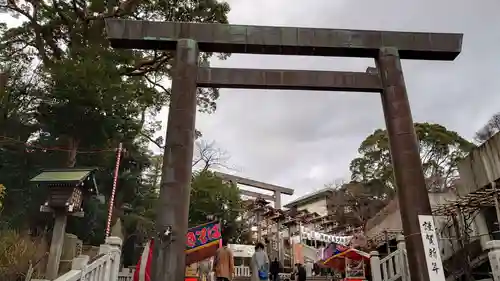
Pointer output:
x,y
314,235
497,204
113,190
408,174
300,232
279,241
388,247
290,240
172,211
259,227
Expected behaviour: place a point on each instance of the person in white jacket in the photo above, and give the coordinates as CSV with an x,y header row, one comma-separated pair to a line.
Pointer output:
x,y
260,262
204,269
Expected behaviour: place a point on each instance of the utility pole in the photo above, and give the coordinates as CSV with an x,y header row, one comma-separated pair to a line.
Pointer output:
x,y
279,241
173,205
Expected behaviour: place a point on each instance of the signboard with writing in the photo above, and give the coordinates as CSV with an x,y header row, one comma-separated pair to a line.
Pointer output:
x,y
431,248
202,235
191,270
243,251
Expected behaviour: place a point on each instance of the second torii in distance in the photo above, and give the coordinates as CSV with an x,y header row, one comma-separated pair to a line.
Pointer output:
x,y
278,190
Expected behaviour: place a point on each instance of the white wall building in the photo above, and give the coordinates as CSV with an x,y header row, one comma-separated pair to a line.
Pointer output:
x,y
316,202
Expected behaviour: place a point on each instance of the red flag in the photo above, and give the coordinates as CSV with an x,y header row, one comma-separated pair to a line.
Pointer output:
x,y
143,267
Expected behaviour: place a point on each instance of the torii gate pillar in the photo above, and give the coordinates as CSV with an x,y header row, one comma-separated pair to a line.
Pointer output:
x,y
173,204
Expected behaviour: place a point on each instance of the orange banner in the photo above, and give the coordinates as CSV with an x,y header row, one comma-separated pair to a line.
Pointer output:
x,y
298,255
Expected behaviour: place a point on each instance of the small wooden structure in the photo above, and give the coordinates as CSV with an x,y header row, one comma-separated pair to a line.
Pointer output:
x,y
67,189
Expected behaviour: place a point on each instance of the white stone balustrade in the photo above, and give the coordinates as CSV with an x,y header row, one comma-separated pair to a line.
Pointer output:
x,y
392,267
494,257
242,271
126,274
105,267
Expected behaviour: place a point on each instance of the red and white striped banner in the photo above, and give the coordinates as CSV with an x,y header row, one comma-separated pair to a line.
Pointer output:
x,y
113,191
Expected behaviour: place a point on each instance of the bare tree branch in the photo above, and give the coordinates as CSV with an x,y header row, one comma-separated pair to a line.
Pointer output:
x,y
209,156
155,142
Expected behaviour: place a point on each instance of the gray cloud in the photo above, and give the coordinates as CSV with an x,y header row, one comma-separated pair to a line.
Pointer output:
x,y
304,139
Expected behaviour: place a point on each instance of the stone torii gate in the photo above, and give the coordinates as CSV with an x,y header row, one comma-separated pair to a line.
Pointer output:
x,y
276,199
277,190
386,47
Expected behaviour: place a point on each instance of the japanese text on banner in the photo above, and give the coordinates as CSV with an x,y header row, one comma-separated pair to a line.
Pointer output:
x,y
431,248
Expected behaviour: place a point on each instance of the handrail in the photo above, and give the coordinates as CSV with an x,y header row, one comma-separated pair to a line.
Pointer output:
x,y
104,267
389,256
390,268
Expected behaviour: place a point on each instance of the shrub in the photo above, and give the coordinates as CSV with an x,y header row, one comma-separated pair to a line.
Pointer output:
x,y
16,253
2,195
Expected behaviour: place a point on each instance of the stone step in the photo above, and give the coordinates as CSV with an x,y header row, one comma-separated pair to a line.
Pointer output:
x,y
312,278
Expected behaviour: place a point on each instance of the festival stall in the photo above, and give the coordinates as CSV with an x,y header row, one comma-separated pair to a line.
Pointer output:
x,y
352,262
201,243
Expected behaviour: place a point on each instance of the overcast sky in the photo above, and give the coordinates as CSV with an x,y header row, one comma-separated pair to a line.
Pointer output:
x,y
303,139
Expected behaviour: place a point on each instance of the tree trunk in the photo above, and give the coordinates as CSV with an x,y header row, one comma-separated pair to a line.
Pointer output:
x,y
72,152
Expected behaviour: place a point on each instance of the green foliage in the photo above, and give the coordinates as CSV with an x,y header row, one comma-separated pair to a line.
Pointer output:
x,y
2,195
210,195
440,151
69,37
71,98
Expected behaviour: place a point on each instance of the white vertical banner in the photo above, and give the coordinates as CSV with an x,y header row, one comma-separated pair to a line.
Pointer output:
x,y
431,248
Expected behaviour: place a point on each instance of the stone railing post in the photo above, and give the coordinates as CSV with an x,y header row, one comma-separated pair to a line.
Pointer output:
x,y
80,262
106,249
400,239
401,258
494,257
115,245
375,266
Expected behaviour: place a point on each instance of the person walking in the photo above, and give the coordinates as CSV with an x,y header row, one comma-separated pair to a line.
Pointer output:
x,y
204,269
259,264
301,272
224,263
275,269
309,268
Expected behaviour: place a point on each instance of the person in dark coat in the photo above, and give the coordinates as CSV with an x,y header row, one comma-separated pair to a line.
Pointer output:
x,y
275,269
301,273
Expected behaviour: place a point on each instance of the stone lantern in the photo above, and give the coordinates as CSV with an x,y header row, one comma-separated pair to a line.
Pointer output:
x,y
67,189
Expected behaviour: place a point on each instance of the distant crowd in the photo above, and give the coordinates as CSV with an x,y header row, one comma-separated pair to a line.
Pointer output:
x,y
222,266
